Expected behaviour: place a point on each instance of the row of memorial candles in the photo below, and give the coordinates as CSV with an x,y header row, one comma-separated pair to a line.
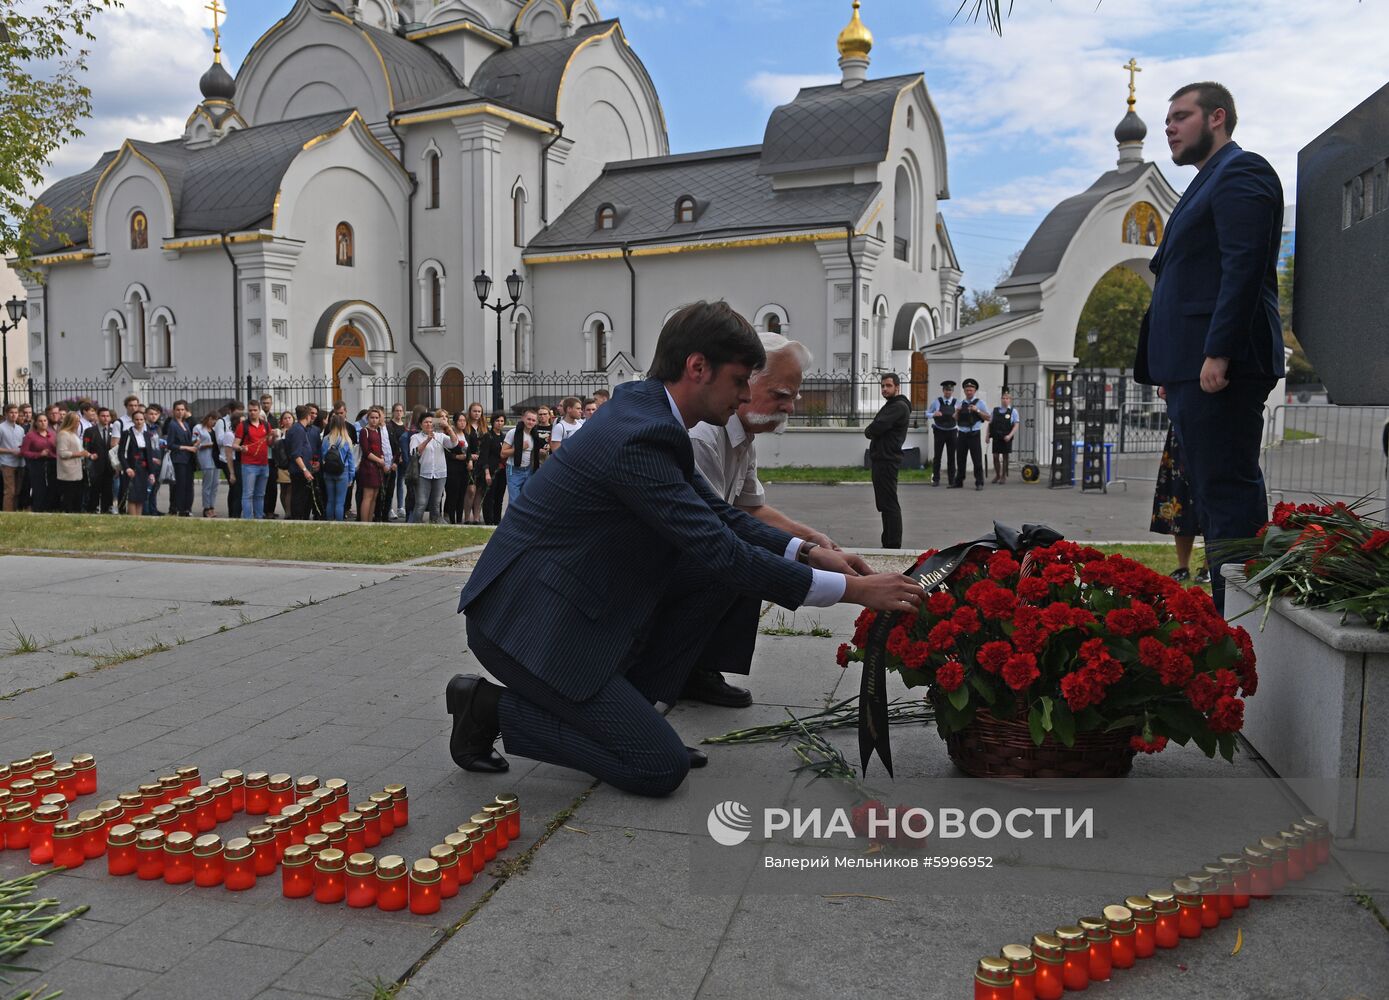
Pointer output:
x,y
37,781
1073,957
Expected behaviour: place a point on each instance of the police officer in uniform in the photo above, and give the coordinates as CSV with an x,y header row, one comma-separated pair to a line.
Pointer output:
x,y
971,417
943,430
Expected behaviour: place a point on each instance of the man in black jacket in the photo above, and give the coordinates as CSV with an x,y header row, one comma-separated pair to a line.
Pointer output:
x,y
887,432
97,442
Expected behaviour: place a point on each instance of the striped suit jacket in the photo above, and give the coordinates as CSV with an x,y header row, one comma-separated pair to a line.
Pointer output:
x,y
574,574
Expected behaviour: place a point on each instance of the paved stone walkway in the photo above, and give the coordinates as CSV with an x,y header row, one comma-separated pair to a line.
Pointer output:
x,y
351,686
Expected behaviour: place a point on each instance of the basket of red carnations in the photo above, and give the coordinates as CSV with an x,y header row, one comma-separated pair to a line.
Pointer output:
x,y
1064,662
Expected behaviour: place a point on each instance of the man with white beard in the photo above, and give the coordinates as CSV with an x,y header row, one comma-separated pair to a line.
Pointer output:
x,y
726,456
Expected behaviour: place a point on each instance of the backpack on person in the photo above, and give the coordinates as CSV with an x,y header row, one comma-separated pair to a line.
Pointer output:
x,y
333,465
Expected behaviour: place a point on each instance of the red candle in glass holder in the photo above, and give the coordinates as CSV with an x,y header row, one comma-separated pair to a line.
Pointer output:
x,y
1292,847
1024,968
316,843
152,794
66,776
1189,901
337,836
257,792
1100,944
263,856
281,788
425,886
1075,965
993,979
112,813
149,854
240,858
1166,912
1278,860
133,803
24,790
5,775
371,822
463,850
209,863
476,835
330,880
361,880
489,834
513,814
189,776
143,822
313,813
385,808
298,823
93,833
1210,905
355,826
1222,890
400,804
19,817
392,892
338,804
120,850
305,786
67,844
221,799
41,833
180,814
500,825
237,781
178,857
1260,871
280,827
1121,936
1144,926
296,872
206,811
1239,880
171,786
447,860
1321,838
85,764
45,782
1051,958
327,806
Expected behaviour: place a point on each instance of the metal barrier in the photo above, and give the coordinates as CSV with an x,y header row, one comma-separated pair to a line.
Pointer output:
x,y
1325,450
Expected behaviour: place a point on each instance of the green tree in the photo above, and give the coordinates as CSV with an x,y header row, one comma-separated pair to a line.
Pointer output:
x,y
42,102
1114,311
1299,367
978,305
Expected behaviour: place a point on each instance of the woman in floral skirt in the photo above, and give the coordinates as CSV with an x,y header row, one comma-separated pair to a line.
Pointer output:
x,y
1174,510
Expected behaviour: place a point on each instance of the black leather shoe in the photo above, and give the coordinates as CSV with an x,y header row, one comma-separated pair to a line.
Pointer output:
x,y
698,758
474,732
978,486
955,486
935,482
709,687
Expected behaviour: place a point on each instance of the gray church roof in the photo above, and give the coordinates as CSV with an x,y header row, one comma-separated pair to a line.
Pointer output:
x,y
223,188
528,77
415,70
1042,255
731,197
832,126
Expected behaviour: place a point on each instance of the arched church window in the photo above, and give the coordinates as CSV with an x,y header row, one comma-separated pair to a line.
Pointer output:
x,y
607,217
343,240
137,316
433,180
600,346
903,215
933,258
436,299
878,232
911,117
518,217
139,232
772,322
685,209
523,343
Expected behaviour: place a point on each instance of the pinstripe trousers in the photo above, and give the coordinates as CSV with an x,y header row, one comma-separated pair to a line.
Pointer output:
x,y
616,735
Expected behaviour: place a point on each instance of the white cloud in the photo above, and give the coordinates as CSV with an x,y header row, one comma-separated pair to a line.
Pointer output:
x,y
772,89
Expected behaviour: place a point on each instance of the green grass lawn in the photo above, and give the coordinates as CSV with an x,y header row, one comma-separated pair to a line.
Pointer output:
x,y
312,541
834,474
1294,434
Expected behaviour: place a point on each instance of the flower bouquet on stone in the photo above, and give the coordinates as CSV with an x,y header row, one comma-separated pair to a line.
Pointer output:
x,y
1072,641
1324,556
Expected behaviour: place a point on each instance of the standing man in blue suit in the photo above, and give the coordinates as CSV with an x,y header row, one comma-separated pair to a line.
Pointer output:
x,y
1212,338
633,555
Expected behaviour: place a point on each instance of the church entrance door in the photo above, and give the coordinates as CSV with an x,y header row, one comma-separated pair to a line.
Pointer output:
x,y
348,342
921,377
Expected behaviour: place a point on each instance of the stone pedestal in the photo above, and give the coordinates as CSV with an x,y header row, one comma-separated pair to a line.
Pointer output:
x,y
1320,717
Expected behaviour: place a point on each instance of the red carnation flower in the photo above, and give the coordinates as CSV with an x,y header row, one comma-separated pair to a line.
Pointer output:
x,y
993,655
1029,640
966,620
917,655
950,675
841,655
1202,692
898,641
1151,652
1059,575
942,636
1033,589
1176,668
1082,689
998,604
1143,746
1002,565
1375,542
941,603
1228,682
862,624
1020,671
1227,716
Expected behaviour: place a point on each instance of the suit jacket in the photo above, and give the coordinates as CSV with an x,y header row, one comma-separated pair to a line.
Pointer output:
x,y
888,430
142,460
176,436
93,440
1217,276
572,577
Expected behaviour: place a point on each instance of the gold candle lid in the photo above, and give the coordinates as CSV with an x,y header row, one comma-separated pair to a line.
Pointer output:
x,y
351,821
994,971
311,804
19,810
510,799
278,823
131,800
67,828
1017,954
1069,936
380,798
443,853
188,771
145,821
63,769
239,849
219,786
42,779
202,795
1162,896
331,859
305,783
22,786
334,831
425,870
111,809
54,799
295,813
1274,846
1201,879
496,810
234,777
262,834
181,804
50,814
469,828
396,792
170,781
83,761
179,842
484,820
1291,838
1118,917
1094,927
366,810
459,842
1047,947
150,840
1319,825
1234,863
152,789
256,778
91,819
391,866
1184,887
316,842
361,864
1138,905
207,845
281,782
334,784
121,835
296,855
42,759
23,766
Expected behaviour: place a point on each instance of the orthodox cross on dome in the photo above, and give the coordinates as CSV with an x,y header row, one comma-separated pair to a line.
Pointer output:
x,y
216,9
1132,66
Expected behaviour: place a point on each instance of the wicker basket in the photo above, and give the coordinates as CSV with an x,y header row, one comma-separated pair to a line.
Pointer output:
x,y
990,747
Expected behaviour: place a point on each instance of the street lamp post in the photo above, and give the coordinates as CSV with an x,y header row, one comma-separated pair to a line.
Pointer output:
x,y
482,284
17,308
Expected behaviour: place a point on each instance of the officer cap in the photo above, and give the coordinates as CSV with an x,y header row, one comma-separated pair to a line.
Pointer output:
x,y
948,384
970,383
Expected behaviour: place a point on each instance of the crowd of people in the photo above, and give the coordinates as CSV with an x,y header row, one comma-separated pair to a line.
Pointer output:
x,y
307,463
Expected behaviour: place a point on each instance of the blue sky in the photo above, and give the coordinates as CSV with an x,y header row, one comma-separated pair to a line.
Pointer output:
x,y
1028,117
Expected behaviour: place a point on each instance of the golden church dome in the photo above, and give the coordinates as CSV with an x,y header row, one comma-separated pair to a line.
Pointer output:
x,y
855,41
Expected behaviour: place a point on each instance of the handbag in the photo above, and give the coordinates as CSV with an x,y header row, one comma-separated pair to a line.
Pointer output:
x,y
114,457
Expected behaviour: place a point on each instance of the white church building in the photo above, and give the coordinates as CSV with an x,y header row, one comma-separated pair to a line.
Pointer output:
x,y
331,205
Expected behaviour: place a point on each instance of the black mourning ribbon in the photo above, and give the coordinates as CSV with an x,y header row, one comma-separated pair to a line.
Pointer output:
x,y
873,728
